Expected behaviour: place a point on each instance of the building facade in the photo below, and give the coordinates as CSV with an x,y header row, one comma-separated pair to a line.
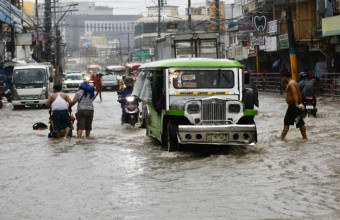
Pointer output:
x,y
260,34
92,21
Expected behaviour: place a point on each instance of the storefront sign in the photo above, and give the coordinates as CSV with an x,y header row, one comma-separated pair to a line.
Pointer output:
x,y
171,27
283,42
271,44
243,37
260,23
246,26
257,41
331,26
253,51
272,27
240,52
320,69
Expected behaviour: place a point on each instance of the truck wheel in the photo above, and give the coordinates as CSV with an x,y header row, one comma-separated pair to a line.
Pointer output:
x,y
171,137
248,99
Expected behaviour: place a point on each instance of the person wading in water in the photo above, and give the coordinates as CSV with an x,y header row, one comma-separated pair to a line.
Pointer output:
x,y
59,104
294,110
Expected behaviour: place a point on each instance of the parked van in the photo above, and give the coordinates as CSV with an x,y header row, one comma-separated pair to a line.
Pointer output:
x,y
32,85
196,101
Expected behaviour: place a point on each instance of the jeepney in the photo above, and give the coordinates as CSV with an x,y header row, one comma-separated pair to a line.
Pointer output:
x,y
196,101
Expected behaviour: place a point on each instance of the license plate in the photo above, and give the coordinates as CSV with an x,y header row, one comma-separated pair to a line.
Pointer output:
x,y
108,87
309,107
217,137
29,102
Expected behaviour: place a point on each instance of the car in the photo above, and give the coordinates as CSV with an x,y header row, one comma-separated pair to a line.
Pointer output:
x,y
110,83
72,82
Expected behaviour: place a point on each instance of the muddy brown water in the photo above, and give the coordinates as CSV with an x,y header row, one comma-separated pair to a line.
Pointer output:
x,y
119,173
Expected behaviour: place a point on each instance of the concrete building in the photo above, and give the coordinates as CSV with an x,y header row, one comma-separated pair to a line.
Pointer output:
x,y
94,21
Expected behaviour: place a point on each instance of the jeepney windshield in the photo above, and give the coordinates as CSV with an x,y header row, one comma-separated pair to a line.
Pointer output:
x,y
202,79
142,87
29,76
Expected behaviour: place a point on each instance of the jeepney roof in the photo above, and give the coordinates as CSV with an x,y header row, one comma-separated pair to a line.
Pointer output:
x,y
193,62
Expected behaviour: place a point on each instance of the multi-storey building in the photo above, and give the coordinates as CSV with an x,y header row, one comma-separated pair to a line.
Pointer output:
x,y
97,21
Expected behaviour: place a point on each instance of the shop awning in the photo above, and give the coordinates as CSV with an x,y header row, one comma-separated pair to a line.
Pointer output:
x,y
10,14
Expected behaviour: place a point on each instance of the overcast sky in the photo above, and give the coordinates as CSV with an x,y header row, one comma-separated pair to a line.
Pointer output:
x,y
136,6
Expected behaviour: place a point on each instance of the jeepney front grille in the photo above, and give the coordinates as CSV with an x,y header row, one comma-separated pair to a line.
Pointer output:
x,y
214,112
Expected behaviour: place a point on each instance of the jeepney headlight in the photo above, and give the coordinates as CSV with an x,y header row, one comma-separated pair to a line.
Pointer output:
x,y
193,108
234,108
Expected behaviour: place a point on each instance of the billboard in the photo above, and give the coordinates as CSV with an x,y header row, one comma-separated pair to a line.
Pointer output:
x,y
85,44
23,39
331,26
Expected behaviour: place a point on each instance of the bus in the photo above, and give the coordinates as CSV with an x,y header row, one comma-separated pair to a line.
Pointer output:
x,y
196,101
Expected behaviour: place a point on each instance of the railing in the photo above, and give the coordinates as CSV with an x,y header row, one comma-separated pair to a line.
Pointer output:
x,y
269,82
326,85
329,84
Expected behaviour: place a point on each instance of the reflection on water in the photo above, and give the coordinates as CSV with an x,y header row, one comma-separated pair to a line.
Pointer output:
x,y
119,173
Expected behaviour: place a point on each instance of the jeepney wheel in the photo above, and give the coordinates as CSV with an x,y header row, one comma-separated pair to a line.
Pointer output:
x,y
171,137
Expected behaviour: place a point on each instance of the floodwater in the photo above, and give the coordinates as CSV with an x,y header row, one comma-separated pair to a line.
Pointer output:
x,y
119,173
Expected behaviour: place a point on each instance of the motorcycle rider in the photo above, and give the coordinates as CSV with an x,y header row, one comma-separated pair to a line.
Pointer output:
x,y
307,90
306,86
129,83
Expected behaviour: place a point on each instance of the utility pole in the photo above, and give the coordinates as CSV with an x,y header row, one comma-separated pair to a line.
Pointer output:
x,y
159,19
217,15
189,14
36,49
13,2
128,47
291,39
48,25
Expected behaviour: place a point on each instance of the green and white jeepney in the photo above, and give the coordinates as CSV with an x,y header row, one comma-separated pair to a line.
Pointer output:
x,y
196,101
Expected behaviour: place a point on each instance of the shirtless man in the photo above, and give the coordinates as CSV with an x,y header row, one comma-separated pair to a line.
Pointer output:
x,y
59,102
293,114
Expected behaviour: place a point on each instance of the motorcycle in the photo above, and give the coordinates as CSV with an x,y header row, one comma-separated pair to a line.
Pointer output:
x,y
131,110
309,104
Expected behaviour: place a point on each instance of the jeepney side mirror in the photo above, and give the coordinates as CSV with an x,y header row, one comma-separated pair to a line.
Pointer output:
x,y
50,79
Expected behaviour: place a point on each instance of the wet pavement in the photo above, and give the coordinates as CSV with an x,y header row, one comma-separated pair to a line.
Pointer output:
x,y
119,173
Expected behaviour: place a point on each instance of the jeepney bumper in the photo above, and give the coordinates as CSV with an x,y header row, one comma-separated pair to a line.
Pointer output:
x,y
239,135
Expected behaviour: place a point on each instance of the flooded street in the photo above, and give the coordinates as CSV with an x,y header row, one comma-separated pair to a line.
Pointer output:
x,y
119,173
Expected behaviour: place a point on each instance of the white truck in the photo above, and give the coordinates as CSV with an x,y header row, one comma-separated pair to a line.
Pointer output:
x,y
32,85
188,45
